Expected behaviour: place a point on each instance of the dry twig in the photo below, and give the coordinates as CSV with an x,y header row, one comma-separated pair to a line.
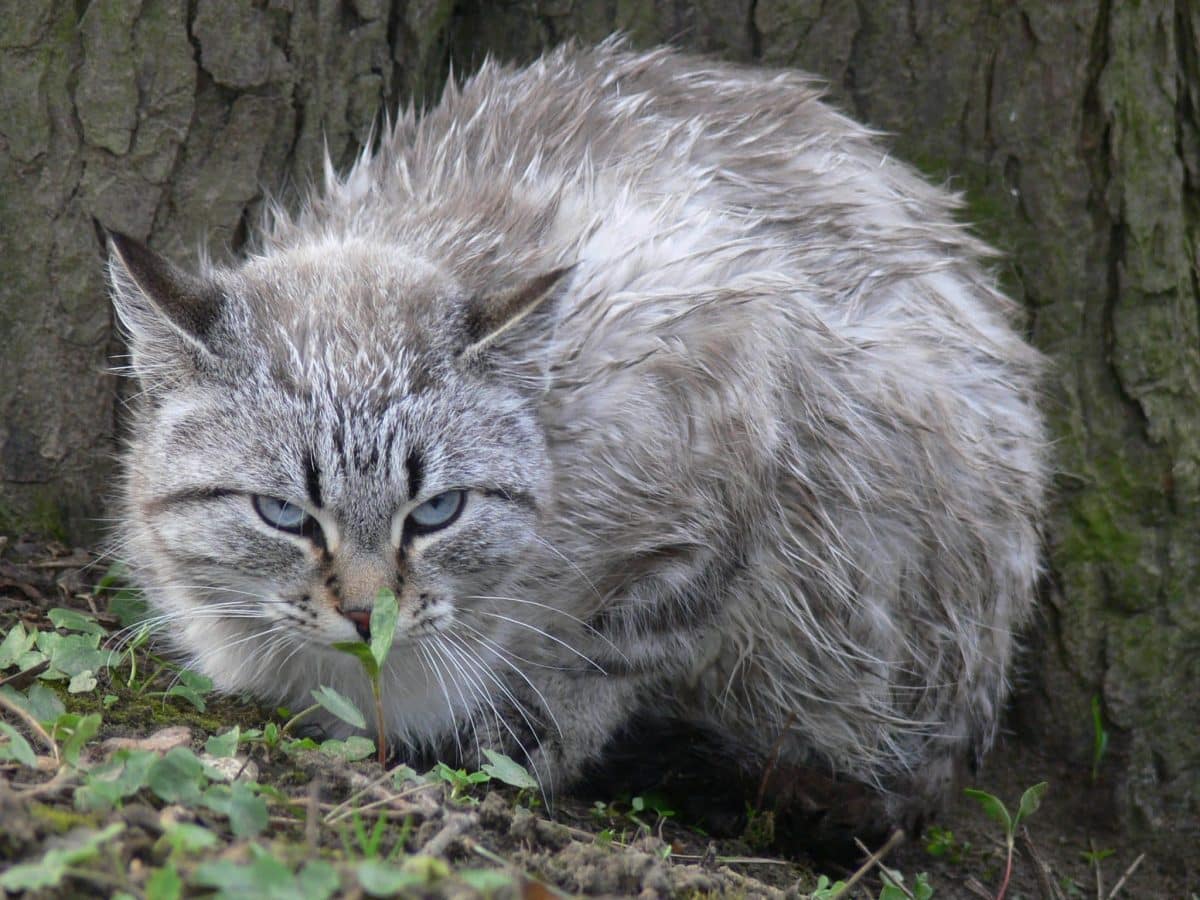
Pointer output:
x,y
1120,884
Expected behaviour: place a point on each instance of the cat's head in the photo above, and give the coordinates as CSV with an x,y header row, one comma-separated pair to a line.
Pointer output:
x,y
314,426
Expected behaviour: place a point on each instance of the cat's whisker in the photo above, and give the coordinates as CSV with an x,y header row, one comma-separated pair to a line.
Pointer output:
x,y
517,669
468,707
557,640
496,647
470,658
591,629
427,652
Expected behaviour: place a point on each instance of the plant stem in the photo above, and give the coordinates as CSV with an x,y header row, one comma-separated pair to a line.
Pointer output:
x,y
381,733
1007,872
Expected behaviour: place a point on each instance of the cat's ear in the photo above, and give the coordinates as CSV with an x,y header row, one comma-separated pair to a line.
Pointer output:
x,y
164,309
491,318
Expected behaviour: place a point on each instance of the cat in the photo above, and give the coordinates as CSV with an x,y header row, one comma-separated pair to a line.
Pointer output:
x,y
654,388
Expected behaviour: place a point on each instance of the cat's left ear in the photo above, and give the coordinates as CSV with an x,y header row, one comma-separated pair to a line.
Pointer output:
x,y
492,318
168,314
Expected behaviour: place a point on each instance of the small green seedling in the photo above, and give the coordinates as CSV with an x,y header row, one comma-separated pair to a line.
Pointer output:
x,y
1099,738
384,616
1030,801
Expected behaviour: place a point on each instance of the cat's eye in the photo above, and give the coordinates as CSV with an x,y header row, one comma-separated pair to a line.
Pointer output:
x,y
282,515
437,512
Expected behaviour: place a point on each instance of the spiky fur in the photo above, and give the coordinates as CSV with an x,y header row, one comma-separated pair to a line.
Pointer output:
x,y
776,436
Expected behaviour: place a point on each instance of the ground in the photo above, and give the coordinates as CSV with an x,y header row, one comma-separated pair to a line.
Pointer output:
x,y
121,777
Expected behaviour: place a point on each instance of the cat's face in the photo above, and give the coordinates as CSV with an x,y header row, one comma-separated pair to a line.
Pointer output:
x,y
293,455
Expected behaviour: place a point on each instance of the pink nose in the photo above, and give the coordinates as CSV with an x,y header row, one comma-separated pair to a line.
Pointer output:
x,y
362,622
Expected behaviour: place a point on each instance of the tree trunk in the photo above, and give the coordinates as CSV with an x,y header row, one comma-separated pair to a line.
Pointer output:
x,y
1072,128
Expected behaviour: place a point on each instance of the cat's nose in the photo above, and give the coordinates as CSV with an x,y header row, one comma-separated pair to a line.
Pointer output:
x,y
362,622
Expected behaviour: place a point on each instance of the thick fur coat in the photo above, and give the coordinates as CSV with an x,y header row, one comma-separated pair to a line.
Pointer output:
x,y
739,425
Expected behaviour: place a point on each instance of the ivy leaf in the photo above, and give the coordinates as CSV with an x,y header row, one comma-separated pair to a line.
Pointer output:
x,y
246,811
225,744
486,881
340,705
15,645
352,748
164,884
82,729
126,773
50,869
379,879
73,620
17,747
82,683
318,880
178,777
508,770
187,838
40,702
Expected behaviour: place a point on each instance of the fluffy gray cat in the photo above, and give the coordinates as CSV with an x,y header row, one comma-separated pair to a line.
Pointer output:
x,y
653,388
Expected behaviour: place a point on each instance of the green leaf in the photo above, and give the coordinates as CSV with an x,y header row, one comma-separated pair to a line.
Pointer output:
x,y
50,869
363,653
41,702
82,683
379,879
265,877
17,747
188,694
75,653
340,705
187,838
247,811
74,620
129,606
505,769
993,807
178,777
486,881
351,749
15,645
164,884
1030,801
318,880
225,744
82,729
384,615
122,776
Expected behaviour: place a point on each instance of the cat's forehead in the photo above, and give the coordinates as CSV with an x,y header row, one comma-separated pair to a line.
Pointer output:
x,y
343,315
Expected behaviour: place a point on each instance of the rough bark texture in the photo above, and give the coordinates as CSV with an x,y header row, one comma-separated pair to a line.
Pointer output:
x,y
1072,127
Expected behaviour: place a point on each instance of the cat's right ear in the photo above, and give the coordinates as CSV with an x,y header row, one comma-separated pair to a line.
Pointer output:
x,y
168,314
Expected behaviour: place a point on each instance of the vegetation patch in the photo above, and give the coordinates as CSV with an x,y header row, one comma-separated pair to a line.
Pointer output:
x,y
123,775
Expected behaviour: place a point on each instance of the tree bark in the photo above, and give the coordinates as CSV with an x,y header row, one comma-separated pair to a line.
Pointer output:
x,y
1073,129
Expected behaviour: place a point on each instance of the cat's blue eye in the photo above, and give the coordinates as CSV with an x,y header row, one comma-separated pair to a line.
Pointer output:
x,y
281,514
437,512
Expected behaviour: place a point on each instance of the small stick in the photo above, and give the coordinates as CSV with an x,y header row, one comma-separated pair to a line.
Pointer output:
x,y
973,885
440,842
1120,884
1049,890
332,819
374,783
34,725
896,839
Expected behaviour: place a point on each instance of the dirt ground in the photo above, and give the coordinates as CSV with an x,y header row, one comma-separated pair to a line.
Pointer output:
x,y
448,836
